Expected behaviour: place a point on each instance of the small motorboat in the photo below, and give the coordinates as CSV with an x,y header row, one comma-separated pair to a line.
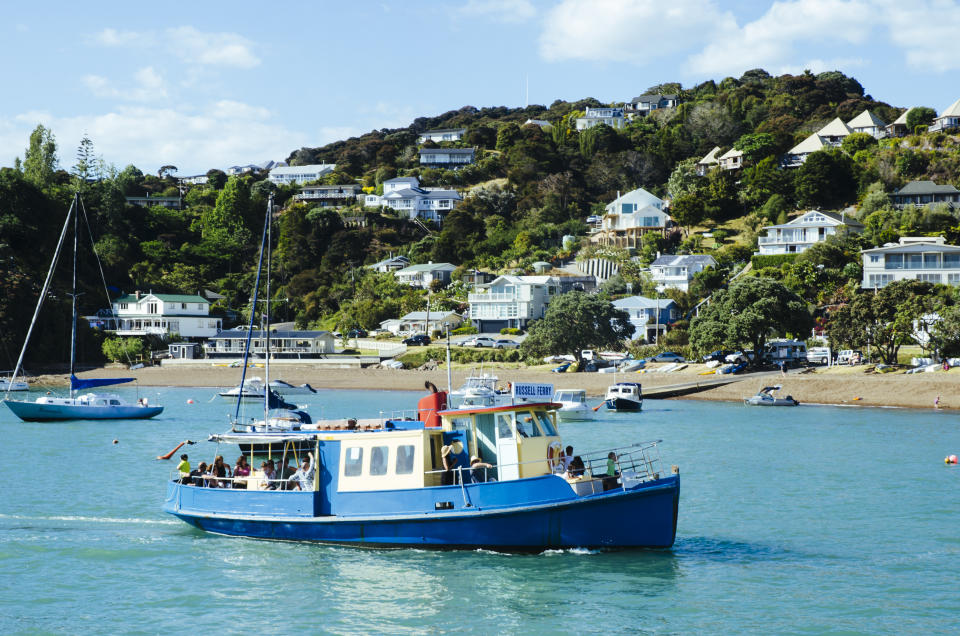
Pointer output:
x,y
766,397
252,389
285,388
624,396
573,405
7,385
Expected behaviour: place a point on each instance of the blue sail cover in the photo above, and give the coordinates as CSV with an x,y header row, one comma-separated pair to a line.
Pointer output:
x,y
77,384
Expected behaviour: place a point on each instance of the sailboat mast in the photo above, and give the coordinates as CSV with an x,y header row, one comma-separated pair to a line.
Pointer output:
x,y
266,390
73,327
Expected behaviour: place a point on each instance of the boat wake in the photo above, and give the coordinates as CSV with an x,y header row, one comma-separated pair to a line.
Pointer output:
x,y
161,522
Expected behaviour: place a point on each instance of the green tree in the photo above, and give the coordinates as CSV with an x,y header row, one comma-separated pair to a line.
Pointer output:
x,y
684,179
747,313
852,144
945,334
123,349
40,158
755,146
576,321
920,116
826,180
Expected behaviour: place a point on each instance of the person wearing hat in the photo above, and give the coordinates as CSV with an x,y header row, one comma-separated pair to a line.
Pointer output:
x,y
478,470
449,462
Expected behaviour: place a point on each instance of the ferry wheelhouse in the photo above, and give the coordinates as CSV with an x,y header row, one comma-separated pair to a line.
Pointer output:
x,y
384,483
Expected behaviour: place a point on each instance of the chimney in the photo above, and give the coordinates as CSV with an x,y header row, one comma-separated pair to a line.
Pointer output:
x,y
137,294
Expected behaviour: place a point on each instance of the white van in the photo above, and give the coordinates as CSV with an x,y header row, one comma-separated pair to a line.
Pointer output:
x,y
792,352
818,355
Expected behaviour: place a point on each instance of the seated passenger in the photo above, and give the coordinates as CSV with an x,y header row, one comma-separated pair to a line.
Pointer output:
x,y
219,471
303,478
577,469
479,471
198,476
241,469
268,474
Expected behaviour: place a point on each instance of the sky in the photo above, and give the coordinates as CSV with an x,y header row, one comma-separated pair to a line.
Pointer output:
x,y
206,84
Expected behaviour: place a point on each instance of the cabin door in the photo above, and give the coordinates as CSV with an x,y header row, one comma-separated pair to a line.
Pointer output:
x,y
487,440
507,454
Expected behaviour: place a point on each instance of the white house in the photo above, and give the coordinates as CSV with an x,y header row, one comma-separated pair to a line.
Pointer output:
x,y
424,274
449,158
237,170
731,159
835,132
649,316
300,174
797,155
283,344
649,102
630,216
405,195
511,301
391,264
868,123
197,179
950,118
442,134
921,258
422,322
899,126
707,163
800,233
924,193
173,203
676,272
329,196
152,314
612,117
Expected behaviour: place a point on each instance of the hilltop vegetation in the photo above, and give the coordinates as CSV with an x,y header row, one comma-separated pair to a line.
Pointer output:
x,y
529,187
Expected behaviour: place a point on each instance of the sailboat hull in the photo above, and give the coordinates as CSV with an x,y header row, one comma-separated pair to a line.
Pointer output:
x,y
39,412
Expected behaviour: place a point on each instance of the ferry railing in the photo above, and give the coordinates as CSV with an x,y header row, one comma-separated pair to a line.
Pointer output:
x,y
209,481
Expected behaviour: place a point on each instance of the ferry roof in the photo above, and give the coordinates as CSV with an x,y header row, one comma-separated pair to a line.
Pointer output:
x,y
500,409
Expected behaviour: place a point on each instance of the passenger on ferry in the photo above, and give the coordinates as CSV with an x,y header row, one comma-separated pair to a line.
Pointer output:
x,y
303,478
612,464
184,469
197,476
479,470
286,472
567,458
268,475
449,463
577,468
241,469
220,471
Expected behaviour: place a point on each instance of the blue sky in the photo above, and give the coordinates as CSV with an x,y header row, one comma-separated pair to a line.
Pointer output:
x,y
211,84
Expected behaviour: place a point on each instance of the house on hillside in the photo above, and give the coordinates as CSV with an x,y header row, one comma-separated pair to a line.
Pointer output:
x,y
868,123
422,322
835,132
300,174
442,134
649,102
731,159
329,196
612,117
921,258
629,217
406,196
924,193
511,301
162,315
391,264
899,126
449,158
676,272
649,316
283,344
196,179
172,203
797,155
708,162
799,234
425,274
238,170
948,119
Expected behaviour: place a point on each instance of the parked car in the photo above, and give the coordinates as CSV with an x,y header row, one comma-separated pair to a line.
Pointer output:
x,y
848,356
667,356
419,340
740,356
593,218
479,341
357,332
719,355
505,343
818,355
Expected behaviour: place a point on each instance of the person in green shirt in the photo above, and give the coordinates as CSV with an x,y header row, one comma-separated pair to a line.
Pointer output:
x,y
184,468
612,464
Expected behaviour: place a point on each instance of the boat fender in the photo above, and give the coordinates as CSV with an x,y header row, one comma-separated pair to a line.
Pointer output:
x,y
553,455
950,459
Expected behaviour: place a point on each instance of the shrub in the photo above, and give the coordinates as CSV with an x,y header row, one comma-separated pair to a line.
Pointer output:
x,y
771,260
123,349
466,329
511,331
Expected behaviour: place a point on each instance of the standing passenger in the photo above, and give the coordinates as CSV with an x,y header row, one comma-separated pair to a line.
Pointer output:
x,y
303,478
184,469
449,462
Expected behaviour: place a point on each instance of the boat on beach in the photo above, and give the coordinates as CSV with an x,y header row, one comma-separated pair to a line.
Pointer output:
x,y
766,397
573,405
624,396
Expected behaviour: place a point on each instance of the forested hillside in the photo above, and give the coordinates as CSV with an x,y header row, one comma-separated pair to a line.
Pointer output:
x,y
528,188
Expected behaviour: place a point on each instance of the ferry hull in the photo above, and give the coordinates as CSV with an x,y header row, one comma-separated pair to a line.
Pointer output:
x,y
34,412
643,517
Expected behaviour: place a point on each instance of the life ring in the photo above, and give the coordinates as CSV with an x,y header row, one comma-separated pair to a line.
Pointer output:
x,y
554,450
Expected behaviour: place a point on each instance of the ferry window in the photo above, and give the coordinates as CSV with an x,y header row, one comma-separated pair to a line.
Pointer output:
x,y
378,460
504,430
526,426
114,402
354,463
461,423
404,459
546,424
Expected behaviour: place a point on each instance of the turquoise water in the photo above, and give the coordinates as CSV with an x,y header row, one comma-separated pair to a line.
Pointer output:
x,y
805,520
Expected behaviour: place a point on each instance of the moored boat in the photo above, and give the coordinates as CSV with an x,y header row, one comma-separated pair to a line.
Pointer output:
x,y
7,385
285,388
766,397
624,396
573,405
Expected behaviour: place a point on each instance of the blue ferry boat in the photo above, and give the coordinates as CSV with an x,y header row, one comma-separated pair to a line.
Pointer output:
x,y
486,477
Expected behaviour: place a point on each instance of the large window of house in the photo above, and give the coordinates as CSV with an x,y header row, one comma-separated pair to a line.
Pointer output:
x,y
931,260
930,278
951,261
893,261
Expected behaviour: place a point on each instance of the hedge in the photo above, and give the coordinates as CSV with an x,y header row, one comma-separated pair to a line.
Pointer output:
x,y
760,261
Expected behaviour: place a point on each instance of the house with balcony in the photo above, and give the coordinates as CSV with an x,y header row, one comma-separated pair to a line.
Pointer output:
x,y
649,316
797,155
442,134
448,158
329,196
924,193
424,274
629,217
391,264
408,198
288,345
150,314
948,119
511,301
648,103
709,162
799,234
422,322
171,203
731,159
915,258
899,126
835,132
676,272
300,174
868,123
612,117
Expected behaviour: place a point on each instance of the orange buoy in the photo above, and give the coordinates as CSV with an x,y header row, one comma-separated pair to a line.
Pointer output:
x,y
190,401
170,454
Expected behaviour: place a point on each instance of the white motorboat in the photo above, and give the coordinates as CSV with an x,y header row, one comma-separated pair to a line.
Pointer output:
x,y
766,397
285,388
478,390
252,389
624,396
573,405
7,385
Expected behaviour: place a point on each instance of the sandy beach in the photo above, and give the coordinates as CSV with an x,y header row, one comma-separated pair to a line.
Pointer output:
x,y
849,386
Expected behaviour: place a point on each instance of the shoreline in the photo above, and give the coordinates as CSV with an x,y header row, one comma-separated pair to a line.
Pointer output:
x,y
847,387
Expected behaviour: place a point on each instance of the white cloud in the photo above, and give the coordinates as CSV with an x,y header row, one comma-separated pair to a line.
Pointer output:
x,y
618,30
112,37
187,43
498,10
927,33
148,85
